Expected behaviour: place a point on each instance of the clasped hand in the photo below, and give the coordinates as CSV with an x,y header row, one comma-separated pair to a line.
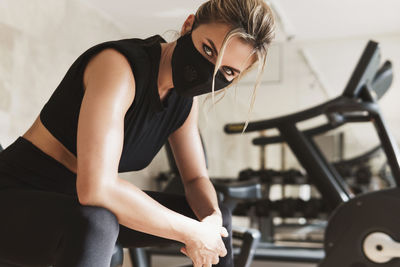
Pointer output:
x,y
205,245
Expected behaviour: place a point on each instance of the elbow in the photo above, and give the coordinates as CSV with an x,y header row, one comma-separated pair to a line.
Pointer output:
x,y
90,194
87,200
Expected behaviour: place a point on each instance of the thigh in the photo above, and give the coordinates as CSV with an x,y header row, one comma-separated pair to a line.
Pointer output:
x,y
132,238
32,224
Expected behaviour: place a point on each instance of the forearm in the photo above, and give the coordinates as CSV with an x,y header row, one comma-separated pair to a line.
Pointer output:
x,y
202,197
137,210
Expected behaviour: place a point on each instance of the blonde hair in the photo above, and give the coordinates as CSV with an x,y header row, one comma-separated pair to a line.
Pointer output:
x,y
251,20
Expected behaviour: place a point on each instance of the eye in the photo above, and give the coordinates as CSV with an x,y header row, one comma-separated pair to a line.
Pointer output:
x,y
207,50
228,71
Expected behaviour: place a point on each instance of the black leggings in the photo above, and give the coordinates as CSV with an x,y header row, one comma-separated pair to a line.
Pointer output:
x,y
42,222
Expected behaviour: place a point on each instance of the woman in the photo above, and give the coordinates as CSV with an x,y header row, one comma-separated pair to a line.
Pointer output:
x,y
61,200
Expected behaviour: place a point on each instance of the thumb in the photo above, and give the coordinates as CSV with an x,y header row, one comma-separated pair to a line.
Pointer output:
x,y
224,232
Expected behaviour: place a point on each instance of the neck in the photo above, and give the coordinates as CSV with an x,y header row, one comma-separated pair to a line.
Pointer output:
x,y
165,82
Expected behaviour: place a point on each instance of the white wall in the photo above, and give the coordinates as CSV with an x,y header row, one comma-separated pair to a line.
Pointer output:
x,y
38,44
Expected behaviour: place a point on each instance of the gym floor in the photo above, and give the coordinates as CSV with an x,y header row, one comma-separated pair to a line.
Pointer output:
x,y
168,261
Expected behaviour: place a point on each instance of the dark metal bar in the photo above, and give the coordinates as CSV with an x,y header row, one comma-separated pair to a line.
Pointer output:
x,y
345,187
311,160
236,128
367,67
389,145
267,140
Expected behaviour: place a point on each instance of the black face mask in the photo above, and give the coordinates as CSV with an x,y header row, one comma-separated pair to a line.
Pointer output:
x,y
192,73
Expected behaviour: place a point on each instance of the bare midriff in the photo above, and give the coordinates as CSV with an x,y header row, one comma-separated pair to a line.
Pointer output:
x,y
45,141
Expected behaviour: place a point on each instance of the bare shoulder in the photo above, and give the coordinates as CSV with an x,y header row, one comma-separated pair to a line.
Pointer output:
x,y
109,73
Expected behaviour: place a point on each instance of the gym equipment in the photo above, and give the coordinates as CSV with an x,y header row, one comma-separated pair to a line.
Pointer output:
x,y
294,220
358,173
363,229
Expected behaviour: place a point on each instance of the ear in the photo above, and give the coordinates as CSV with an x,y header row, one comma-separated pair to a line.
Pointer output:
x,y
187,25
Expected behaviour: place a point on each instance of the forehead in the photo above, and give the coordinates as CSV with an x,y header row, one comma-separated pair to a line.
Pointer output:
x,y
237,50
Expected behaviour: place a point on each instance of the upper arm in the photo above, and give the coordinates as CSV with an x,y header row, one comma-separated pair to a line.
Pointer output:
x,y
109,91
187,147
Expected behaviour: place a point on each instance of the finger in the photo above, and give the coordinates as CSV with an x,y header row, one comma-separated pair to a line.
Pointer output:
x,y
183,250
224,232
222,251
215,260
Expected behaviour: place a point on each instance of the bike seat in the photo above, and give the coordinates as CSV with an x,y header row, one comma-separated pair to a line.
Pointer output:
x,y
243,190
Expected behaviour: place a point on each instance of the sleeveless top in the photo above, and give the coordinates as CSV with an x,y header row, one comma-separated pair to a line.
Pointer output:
x,y
147,123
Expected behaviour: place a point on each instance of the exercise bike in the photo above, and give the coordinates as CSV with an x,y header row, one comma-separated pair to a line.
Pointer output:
x,y
363,229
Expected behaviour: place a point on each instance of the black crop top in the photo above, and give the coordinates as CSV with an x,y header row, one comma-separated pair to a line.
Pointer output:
x,y
147,123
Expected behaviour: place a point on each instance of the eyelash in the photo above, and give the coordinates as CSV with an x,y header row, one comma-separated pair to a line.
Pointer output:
x,y
207,49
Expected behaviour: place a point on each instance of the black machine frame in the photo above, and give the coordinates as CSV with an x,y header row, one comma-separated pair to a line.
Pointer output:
x,y
358,103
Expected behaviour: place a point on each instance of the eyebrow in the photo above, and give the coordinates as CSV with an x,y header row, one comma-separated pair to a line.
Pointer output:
x,y
216,52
